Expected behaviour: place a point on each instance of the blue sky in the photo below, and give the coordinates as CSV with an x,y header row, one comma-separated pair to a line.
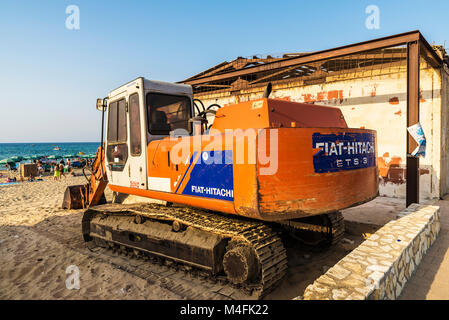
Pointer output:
x,y
50,76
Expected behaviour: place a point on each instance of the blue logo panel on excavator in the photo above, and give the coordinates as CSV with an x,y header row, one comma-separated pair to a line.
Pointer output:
x,y
212,176
345,151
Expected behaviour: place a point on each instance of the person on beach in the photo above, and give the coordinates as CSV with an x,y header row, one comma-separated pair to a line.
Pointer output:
x,y
40,169
61,169
57,175
20,174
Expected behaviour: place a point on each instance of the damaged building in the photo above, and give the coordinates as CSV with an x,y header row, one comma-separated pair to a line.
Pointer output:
x,y
369,83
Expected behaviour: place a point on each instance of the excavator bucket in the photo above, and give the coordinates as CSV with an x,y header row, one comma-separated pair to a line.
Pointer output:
x,y
74,197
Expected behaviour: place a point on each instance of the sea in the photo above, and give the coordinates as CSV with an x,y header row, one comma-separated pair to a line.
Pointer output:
x,y
8,150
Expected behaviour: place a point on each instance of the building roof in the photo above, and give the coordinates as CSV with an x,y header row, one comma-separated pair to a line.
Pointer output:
x,y
313,67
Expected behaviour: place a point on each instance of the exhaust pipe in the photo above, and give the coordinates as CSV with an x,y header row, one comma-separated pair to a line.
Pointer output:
x,y
267,91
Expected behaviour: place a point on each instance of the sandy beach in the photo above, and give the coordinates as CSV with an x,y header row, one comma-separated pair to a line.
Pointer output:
x,y
39,240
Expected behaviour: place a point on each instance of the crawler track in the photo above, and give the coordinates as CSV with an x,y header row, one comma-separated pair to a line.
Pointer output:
x,y
188,283
324,230
338,227
267,245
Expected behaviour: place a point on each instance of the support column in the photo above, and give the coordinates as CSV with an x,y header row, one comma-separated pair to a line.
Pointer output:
x,y
412,182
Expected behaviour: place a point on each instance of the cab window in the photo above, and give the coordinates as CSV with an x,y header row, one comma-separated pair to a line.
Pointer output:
x,y
134,125
167,113
117,121
117,147
112,122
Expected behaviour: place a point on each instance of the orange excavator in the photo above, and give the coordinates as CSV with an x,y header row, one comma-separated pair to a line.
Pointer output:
x,y
232,187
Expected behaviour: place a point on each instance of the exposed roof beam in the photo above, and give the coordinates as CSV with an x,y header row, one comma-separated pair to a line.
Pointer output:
x,y
305,77
273,75
391,41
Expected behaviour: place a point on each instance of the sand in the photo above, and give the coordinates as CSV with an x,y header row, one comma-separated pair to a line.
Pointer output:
x,y
39,240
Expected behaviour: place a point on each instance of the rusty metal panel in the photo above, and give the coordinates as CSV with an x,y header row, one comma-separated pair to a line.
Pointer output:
x,y
308,182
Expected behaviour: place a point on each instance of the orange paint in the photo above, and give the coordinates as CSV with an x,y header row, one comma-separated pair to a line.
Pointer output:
x,y
205,203
398,113
297,193
335,94
391,171
293,191
421,99
277,113
374,91
308,98
324,96
321,96
394,100
383,170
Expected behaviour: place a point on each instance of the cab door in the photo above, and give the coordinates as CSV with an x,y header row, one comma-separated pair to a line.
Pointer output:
x,y
137,168
125,154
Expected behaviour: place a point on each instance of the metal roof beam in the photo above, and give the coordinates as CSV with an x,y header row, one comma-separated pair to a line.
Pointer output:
x,y
391,41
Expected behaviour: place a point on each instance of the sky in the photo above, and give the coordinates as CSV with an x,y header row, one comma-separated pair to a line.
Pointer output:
x,y
50,75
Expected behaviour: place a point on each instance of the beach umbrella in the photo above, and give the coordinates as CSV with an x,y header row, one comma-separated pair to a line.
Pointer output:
x,y
7,160
54,157
16,158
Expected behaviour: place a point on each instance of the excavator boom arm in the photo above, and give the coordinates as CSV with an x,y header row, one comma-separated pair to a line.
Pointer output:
x,y
98,179
91,193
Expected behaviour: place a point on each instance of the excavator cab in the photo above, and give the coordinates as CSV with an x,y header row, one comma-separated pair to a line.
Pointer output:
x,y
134,115
139,113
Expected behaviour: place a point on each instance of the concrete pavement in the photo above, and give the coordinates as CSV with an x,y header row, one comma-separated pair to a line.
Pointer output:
x,y
431,280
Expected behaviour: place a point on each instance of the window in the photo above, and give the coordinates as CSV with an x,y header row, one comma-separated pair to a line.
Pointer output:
x,y
117,148
112,122
168,113
117,155
117,121
134,125
121,121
